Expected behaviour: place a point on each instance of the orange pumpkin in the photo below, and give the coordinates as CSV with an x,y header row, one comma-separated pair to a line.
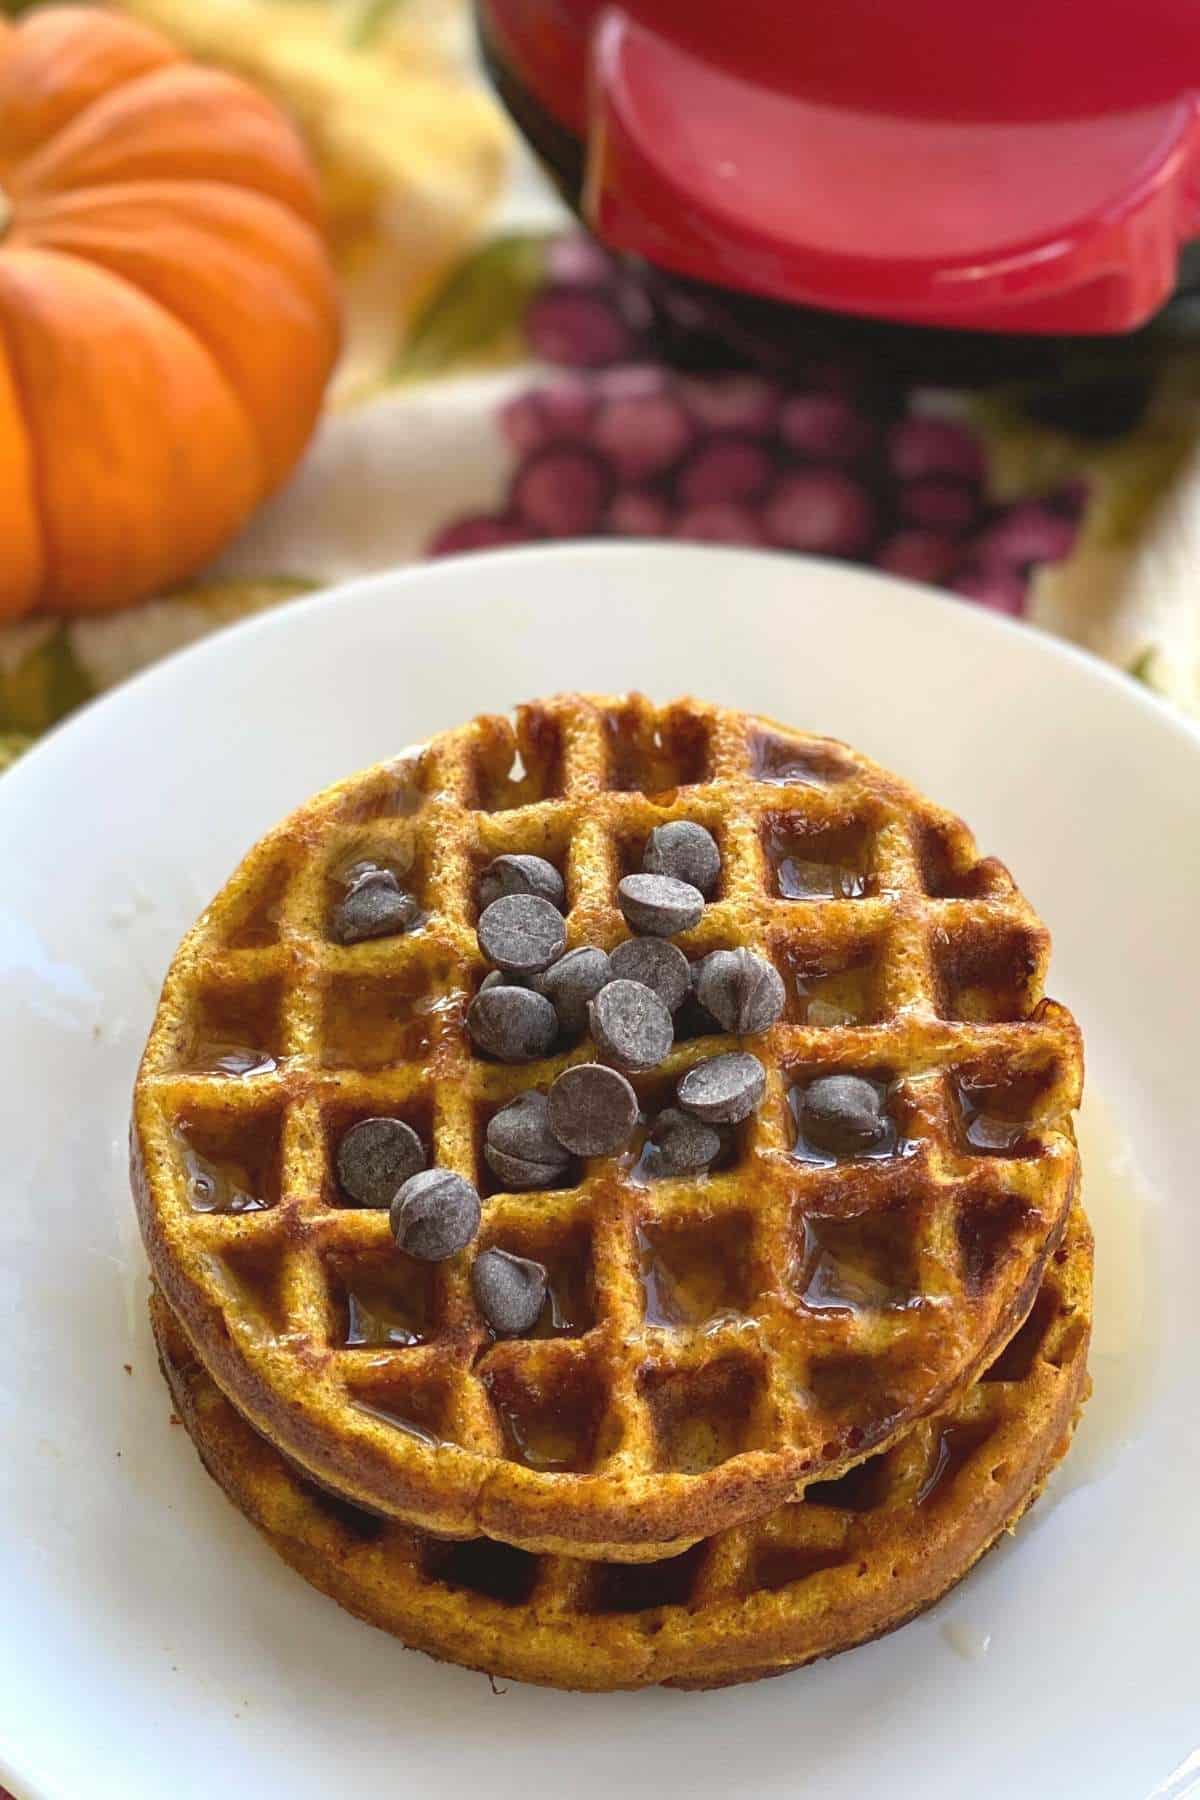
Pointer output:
x,y
168,319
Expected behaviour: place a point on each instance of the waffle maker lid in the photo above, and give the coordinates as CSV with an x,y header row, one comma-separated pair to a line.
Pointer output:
x,y
1032,167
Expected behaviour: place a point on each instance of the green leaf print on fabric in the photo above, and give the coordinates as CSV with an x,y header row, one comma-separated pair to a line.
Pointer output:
x,y
12,745
367,19
42,687
476,315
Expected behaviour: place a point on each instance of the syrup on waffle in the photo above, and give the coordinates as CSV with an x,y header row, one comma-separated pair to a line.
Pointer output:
x,y
852,1560
709,1345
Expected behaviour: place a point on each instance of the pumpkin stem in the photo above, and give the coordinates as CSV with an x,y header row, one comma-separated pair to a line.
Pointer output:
x,y
6,213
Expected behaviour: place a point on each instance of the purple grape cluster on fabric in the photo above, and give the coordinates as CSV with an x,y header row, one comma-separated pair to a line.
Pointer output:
x,y
622,446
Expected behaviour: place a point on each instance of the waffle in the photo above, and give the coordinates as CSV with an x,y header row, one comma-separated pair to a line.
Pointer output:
x,y
711,1345
854,1559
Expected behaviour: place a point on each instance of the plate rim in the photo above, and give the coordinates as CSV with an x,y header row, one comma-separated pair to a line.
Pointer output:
x,y
965,615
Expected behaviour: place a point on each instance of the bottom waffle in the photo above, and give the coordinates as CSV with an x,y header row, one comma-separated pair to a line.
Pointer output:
x,y
853,1560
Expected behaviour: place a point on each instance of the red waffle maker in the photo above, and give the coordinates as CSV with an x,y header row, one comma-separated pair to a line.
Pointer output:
x,y
972,189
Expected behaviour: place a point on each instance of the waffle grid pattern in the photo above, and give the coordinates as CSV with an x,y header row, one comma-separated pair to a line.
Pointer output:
x,y
854,1558
848,1300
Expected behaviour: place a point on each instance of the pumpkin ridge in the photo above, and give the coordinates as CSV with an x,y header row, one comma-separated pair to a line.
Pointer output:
x,y
33,205
36,212
37,202
264,484
49,225
52,582
140,39
37,482
27,175
184,325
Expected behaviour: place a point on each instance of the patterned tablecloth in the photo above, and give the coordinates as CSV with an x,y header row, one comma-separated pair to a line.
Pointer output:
x,y
502,384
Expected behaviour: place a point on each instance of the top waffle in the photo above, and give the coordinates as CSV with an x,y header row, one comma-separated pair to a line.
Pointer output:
x,y
710,1344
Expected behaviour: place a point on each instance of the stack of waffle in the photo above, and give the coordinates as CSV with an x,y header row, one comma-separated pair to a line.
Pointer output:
x,y
768,1409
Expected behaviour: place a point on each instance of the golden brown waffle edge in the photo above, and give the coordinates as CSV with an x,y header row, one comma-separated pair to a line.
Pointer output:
x,y
856,1559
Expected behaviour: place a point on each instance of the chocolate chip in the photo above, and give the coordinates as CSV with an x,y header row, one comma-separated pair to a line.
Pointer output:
x,y
499,978
593,1110
375,1157
435,1214
512,1023
522,1128
682,1145
366,870
742,991
843,1113
723,1090
658,905
521,875
631,1025
656,964
519,1177
520,1147
571,982
686,851
521,934
375,906
509,1290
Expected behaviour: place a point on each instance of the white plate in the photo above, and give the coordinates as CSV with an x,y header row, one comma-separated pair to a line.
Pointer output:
x,y
150,1645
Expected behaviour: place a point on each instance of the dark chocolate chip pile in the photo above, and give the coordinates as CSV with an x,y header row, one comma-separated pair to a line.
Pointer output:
x,y
538,993
521,932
